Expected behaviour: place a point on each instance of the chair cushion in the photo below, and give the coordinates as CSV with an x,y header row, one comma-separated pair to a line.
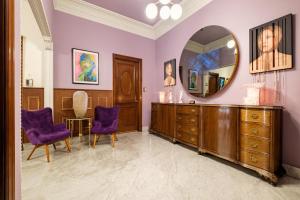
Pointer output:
x,y
103,129
54,136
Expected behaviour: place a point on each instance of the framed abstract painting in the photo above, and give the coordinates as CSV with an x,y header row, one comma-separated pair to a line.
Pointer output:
x,y
85,67
271,45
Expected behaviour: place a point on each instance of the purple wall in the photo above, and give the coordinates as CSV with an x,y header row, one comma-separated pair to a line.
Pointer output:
x,y
73,32
239,16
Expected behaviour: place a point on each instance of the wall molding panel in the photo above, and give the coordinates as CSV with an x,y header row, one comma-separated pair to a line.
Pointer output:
x,y
63,102
100,15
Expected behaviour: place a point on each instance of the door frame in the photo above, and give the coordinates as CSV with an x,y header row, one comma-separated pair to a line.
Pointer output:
x,y
7,97
140,97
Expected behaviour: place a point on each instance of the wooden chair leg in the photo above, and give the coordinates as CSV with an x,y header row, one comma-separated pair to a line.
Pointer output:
x,y
47,152
54,146
95,140
68,145
98,138
35,147
113,137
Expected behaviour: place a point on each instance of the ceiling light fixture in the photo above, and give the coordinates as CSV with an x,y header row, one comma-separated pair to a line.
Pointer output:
x,y
175,11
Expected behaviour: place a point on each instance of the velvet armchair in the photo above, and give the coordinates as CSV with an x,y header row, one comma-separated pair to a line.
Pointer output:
x,y
105,123
40,130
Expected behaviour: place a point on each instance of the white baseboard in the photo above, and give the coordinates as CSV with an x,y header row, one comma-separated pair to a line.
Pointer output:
x,y
292,171
145,129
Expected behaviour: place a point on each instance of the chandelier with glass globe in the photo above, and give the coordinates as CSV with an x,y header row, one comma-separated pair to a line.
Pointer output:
x,y
167,9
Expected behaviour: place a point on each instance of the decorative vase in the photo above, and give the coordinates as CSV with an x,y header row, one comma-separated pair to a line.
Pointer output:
x,y
80,103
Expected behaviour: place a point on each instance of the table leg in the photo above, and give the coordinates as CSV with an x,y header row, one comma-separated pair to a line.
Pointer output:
x,y
80,132
89,133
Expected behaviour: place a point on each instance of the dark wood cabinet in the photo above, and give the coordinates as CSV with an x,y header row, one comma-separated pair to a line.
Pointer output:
x,y
187,125
163,120
246,135
219,133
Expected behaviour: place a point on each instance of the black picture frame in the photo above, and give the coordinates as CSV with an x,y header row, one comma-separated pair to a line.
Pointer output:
x,y
73,66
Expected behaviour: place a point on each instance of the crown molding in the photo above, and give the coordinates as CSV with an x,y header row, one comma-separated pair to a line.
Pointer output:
x,y
97,14
38,11
201,48
85,10
189,7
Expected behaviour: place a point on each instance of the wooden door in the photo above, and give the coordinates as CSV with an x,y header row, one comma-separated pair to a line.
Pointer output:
x,y
213,83
7,99
127,89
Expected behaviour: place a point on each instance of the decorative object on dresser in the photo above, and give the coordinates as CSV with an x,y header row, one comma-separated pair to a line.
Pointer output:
x,y
208,61
271,45
105,123
170,73
85,67
246,135
40,130
80,103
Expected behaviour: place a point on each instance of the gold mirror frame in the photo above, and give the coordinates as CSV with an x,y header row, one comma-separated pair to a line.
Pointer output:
x,y
236,65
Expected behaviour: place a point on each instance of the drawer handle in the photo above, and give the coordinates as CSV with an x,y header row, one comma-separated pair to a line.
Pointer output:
x,y
254,116
254,145
179,118
254,131
253,159
193,129
193,139
193,120
193,110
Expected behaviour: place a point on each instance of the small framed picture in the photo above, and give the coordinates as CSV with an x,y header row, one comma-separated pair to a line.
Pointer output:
x,y
170,73
85,67
193,80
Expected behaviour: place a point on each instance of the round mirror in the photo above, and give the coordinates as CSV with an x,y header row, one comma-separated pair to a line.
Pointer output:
x,y
208,61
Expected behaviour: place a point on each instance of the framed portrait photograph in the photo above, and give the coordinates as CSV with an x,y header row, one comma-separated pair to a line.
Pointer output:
x,y
193,80
170,73
271,45
85,67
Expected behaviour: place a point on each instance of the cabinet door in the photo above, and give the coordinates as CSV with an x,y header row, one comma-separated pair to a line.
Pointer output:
x,y
220,131
156,118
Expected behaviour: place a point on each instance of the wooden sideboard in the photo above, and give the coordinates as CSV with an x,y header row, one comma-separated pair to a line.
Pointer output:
x,y
246,135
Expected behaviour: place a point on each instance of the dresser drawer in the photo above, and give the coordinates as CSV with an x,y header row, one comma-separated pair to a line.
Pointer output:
x,y
191,110
259,116
187,138
188,129
186,119
255,159
255,144
254,129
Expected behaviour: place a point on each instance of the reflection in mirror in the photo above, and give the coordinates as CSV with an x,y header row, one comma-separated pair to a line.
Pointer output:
x,y
208,61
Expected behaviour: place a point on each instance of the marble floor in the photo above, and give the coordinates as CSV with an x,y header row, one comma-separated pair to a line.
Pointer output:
x,y
144,167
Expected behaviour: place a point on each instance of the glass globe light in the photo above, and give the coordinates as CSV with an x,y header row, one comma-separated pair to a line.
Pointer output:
x,y
230,44
176,11
151,11
164,12
164,2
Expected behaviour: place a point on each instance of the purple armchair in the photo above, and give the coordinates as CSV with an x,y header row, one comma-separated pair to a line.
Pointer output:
x,y
40,130
105,123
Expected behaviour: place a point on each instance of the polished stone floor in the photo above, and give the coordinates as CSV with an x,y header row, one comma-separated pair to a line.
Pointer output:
x,y
143,166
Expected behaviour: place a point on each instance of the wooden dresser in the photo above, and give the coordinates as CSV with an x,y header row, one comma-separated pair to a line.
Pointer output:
x,y
246,135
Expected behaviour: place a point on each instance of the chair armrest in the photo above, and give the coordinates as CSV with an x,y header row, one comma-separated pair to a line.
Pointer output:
x,y
59,127
32,132
97,123
115,124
